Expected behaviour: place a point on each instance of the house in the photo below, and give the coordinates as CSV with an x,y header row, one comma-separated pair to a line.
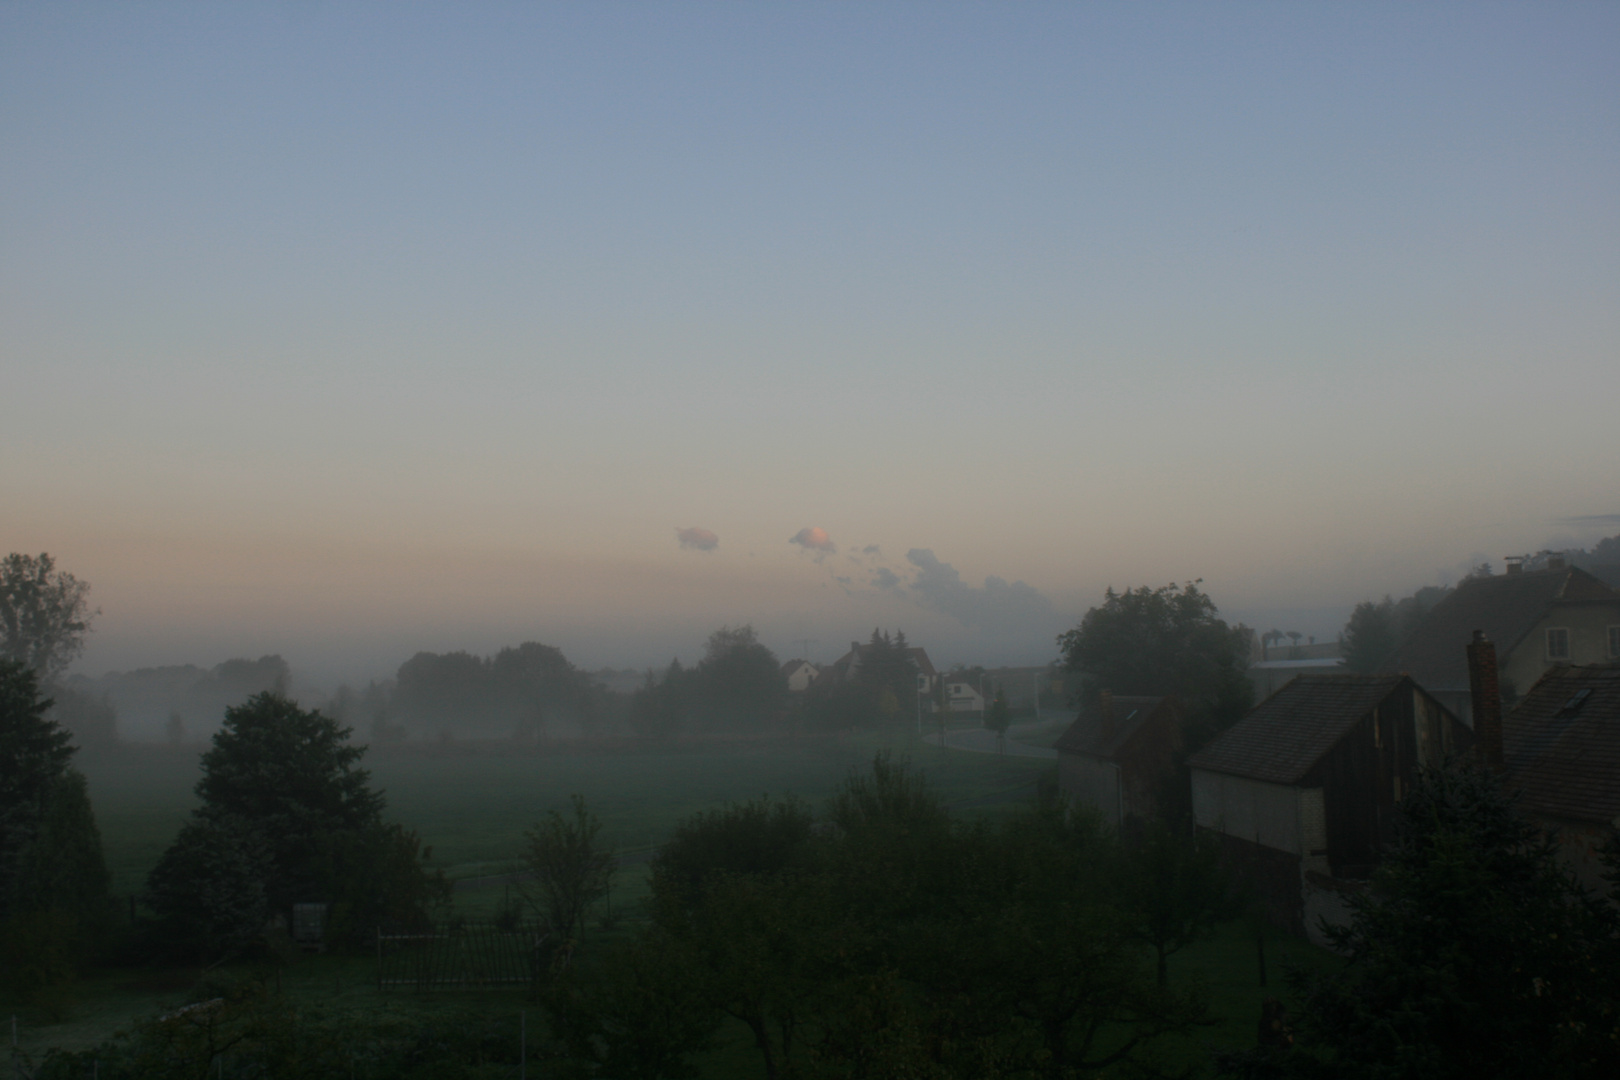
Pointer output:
x,y
1537,619
799,675
1118,756
1302,790
845,666
1561,758
962,693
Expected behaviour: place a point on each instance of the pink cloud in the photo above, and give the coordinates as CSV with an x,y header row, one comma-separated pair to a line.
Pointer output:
x,y
814,539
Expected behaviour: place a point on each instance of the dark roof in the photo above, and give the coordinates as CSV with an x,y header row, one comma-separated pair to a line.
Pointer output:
x,y
1289,732
1562,745
845,665
1088,734
1506,607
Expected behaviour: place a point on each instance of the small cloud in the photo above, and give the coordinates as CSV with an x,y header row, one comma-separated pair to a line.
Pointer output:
x,y
884,578
814,539
872,549
697,539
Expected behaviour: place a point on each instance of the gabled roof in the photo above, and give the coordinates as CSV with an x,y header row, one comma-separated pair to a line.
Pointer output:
x,y
846,665
1289,732
794,665
1506,607
1091,736
1562,745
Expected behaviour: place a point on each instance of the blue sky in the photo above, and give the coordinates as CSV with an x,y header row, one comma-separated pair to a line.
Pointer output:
x,y
348,330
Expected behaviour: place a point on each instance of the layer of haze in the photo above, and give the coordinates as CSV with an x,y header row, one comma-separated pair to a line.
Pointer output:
x,y
344,331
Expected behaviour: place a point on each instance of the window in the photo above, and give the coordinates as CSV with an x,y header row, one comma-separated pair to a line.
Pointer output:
x,y
1558,643
1614,643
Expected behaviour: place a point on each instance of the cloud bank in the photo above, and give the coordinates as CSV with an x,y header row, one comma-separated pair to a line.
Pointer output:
x,y
695,539
999,607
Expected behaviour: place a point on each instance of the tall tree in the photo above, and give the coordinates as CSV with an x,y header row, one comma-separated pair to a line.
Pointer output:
x,y
53,879
1168,640
44,614
34,753
281,786
1369,636
740,680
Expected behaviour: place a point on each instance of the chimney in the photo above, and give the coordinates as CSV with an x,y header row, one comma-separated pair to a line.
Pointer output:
x,y
1486,697
1515,563
1105,715
1556,562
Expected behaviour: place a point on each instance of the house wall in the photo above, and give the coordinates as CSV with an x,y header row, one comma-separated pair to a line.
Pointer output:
x,y
1089,781
1588,625
1287,819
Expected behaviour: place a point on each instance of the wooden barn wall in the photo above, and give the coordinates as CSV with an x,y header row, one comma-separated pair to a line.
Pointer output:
x,y
1361,778
1147,762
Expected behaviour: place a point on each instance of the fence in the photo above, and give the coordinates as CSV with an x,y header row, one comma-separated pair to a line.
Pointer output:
x,y
461,956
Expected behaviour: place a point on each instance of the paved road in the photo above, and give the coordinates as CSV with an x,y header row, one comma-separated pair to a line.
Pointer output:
x,y
980,741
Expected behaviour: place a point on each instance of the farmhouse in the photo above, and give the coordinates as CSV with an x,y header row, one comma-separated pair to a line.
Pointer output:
x,y
1118,757
1537,619
1302,791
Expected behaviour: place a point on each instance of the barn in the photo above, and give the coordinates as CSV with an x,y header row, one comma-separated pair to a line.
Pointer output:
x,y
1302,790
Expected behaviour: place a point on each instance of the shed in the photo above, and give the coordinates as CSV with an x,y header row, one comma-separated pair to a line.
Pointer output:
x,y
1118,756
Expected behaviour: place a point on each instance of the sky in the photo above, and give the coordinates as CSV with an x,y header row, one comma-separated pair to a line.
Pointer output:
x,y
344,331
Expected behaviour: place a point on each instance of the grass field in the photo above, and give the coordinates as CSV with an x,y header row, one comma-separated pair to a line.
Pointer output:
x,y
472,803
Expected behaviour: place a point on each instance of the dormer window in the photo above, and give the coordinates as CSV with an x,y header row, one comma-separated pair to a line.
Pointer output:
x,y
1558,643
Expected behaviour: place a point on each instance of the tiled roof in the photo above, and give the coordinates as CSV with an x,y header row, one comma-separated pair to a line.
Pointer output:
x,y
1287,733
1088,734
1506,607
1562,748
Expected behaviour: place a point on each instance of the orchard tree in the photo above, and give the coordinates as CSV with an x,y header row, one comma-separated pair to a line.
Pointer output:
x,y
44,614
570,868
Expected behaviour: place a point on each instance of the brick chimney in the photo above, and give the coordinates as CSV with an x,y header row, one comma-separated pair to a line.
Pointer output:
x,y
1486,697
1105,715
